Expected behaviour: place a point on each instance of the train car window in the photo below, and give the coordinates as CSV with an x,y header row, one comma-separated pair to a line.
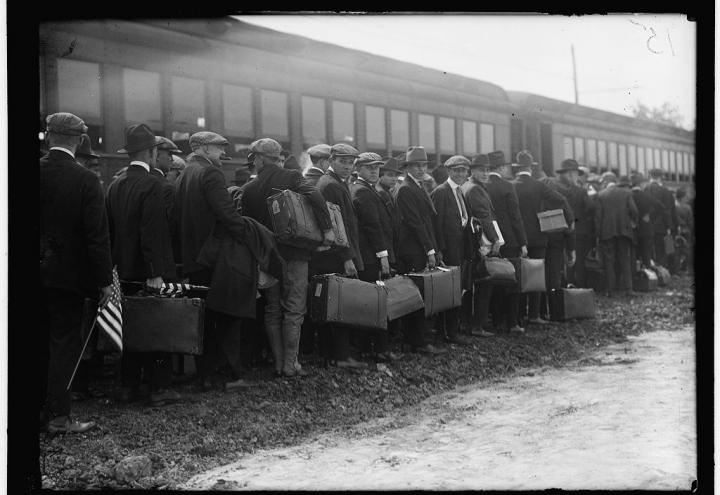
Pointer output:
x,y
671,161
656,161
469,141
274,113
426,132
343,121
568,147
641,160
632,157
622,157
602,156
665,161
592,155
188,101
237,108
79,88
612,155
399,129
142,101
487,138
375,127
447,136
314,130
691,165
679,161
649,164
579,149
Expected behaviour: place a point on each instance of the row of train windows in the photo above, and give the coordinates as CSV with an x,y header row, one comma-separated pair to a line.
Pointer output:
x,y
79,90
604,155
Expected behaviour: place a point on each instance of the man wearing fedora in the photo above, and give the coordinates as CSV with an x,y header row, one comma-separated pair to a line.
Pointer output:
x,y
666,223
286,302
453,236
535,196
142,250
505,301
417,246
477,300
616,217
75,262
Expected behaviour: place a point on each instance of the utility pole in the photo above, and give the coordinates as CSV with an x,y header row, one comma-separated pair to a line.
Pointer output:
x,y
572,51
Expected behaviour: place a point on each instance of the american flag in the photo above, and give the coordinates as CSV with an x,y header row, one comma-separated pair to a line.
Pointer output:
x,y
110,315
173,289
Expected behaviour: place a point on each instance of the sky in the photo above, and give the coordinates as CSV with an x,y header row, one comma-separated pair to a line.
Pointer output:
x,y
620,59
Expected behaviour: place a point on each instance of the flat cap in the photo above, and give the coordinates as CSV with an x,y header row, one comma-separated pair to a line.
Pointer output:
x,y
368,158
342,149
291,163
84,149
608,176
65,123
319,151
206,137
266,146
592,177
166,144
457,161
637,178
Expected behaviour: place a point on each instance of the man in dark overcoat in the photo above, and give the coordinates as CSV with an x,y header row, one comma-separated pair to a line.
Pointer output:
x,y
665,223
319,155
75,263
648,208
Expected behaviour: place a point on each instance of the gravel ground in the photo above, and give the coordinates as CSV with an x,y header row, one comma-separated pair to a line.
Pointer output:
x,y
209,429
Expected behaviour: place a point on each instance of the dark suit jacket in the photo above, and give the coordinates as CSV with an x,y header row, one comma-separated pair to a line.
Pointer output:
x,y
416,235
668,218
648,208
617,214
375,223
139,229
535,196
450,235
481,206
336,191
74,235
312,175
507,211
269,181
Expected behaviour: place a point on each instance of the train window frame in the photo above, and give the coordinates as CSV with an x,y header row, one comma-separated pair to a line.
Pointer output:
x,y
642,164
671,162
568,145
482,146
96,116
237,132
649,164
152,122
399,147
335,135
602,155
309,141
278,136
664,160
622,159
612,154
429,150
372,143
174,121
465,150
452,123
591,152
632,157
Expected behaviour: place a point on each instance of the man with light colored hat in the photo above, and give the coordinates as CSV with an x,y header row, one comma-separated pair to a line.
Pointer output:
x,y
452,235
286,301
75,263
319,155
417,245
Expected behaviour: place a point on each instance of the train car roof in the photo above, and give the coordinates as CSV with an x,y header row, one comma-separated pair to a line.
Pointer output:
x,y
539,103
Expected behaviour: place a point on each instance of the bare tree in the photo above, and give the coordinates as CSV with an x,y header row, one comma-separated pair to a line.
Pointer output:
x,y
667,113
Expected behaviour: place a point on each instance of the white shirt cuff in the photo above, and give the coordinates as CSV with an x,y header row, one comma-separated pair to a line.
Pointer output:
x,y
382,254
432,251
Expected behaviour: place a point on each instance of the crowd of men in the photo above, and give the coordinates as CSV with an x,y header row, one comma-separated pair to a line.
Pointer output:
x,y
167,219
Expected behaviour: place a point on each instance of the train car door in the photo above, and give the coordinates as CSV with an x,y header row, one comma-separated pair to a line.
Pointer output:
x,y
546,154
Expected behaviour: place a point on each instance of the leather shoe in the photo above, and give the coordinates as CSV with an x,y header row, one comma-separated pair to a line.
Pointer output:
x,y
63,424
239,383
479,332
430,349
386,357
301,372
517,329
538,321
459,340
351,363
163,397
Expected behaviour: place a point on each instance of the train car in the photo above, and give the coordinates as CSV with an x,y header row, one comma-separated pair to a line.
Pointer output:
x,y
554,130
245,82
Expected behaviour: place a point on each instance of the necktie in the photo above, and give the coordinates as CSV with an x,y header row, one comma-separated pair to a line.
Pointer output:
x,y
461,206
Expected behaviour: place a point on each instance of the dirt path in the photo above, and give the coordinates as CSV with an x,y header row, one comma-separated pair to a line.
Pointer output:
x,y
622,418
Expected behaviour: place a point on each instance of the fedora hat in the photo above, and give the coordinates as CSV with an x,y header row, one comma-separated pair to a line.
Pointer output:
x,y
523,159
84,149
623,180
139,137
496,159
414,154
291,163
480,161
390,165
569,165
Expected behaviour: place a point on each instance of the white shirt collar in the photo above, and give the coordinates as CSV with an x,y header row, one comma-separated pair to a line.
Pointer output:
x,y
142,164
496,174
609,185
60,148
524,172
415,180
161,172
452,183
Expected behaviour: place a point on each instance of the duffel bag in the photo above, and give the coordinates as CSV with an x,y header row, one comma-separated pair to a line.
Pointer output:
x,y
440,288
530,274
500,271
403,296
570,302
348,301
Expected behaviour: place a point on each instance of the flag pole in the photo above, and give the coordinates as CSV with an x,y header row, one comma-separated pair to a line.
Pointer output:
x,y
81,353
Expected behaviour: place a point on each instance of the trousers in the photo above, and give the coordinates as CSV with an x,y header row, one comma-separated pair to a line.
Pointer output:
x,y
532,299
616,259
413,325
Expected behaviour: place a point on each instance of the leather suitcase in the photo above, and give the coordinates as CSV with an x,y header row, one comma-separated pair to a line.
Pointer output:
x,y
341,238
293,220
441,289
165,324
348,301
552,221
403,297
569,303
530,274
500,270
645,280
663,275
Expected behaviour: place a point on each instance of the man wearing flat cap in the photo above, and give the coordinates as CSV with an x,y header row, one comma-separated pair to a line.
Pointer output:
x,y
417,246
287,301
223,250
142,250
666,223
75,263
504,199
386,184
319,156
452,235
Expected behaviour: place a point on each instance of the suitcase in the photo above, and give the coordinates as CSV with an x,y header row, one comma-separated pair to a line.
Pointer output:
x,y
441,289
530,274
552,221
500,270
569,303
663,275
348,301
341,238
163,324
293,220
403,297
645,280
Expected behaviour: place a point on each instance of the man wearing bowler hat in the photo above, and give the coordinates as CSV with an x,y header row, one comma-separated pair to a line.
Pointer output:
x,y
417,246
319,155
666,223
75,262
505,301
142,250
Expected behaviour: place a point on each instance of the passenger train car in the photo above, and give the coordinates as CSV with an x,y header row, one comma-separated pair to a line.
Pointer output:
x,y
245,82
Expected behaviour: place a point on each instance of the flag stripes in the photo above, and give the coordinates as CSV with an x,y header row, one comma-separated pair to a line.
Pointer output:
x,y
110,315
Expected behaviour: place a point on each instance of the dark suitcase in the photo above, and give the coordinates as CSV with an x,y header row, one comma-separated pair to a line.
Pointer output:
x,y
164,324
348,301
663,275
569,303
403,297
441,288
293,220
500,271
530,274
341,238
645,280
